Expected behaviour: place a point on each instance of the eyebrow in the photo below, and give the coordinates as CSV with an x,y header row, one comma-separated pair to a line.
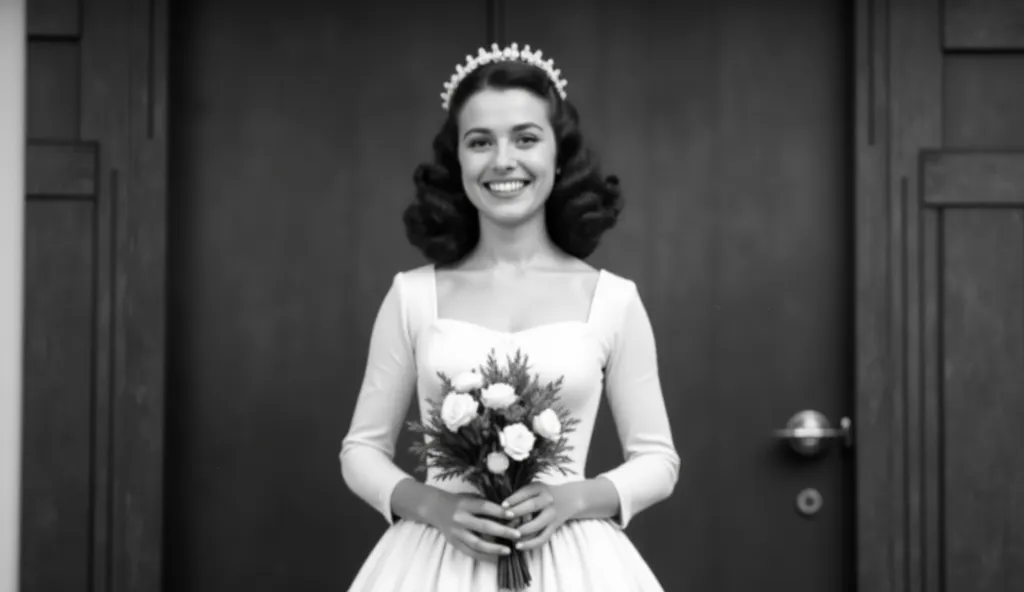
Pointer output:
x,y
517,128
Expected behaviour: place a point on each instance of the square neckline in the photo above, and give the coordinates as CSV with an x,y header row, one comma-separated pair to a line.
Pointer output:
x,y
435,310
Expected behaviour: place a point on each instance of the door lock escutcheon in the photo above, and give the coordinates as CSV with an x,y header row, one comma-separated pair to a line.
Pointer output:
x,y
809,431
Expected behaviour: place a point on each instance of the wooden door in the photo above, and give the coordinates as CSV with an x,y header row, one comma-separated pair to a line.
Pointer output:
x,y
296,135
728,123
94,313
940,327
297,131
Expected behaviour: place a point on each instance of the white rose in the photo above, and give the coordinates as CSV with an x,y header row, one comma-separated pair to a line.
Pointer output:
x,y
497,462
458,410
517,441
468,381
546,424
498,396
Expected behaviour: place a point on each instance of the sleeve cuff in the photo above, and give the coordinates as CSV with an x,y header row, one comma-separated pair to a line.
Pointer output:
x,y
386,493
378,489
625,513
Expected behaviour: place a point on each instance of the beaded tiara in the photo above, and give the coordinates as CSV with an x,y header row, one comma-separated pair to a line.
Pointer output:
x,y
512,53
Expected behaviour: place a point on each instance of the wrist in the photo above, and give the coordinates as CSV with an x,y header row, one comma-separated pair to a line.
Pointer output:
x,y
430,499
592,498
415,501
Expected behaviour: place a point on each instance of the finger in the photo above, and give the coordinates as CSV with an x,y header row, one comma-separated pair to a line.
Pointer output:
x,y
475,555
479,545
490,527
522,495
481,507
533,504
537,541
539,523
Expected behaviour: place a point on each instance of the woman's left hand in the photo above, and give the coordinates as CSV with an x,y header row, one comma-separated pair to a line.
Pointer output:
x,y
551,507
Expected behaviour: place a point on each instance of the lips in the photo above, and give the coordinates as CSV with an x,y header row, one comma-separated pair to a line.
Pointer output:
x,y
506,188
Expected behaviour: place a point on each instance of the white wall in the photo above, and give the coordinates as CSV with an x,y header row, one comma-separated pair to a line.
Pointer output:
x,y
12,207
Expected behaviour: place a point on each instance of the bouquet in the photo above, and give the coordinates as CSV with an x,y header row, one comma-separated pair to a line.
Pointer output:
x,y
497,429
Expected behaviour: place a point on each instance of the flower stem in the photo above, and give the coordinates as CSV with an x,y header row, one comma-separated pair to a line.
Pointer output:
x,y
513,572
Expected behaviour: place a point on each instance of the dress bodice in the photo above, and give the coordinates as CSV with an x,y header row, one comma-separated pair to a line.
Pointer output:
x,y
612,353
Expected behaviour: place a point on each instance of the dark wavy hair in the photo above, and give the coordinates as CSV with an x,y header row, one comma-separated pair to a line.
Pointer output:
x,y
583,204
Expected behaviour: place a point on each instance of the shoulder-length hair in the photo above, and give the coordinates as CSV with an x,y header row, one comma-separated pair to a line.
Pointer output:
x,y
583,204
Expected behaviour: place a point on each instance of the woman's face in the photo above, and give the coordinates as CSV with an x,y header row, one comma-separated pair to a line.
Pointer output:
x,y
507,153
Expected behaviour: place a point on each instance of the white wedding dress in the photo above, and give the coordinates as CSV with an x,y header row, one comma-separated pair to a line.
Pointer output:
x,y
612,352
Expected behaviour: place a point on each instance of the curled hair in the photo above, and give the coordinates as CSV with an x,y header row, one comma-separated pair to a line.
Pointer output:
x,y
583,204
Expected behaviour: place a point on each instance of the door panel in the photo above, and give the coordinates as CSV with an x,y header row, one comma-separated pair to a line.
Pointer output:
x,y
296,136
727,123
94,296
940,246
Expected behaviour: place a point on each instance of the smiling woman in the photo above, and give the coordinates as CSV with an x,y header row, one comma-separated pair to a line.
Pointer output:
x,y
501,157
507,122
508,210
508,165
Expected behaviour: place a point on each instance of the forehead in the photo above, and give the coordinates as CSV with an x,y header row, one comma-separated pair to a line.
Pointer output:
x,y
503,109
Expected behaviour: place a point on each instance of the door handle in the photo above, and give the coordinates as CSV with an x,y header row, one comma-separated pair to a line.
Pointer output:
x,y
808,432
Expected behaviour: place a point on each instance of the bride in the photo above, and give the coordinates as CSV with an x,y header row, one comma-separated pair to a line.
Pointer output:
x,y
507,212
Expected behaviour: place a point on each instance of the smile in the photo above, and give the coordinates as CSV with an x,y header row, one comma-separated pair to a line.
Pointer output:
x,y
506,188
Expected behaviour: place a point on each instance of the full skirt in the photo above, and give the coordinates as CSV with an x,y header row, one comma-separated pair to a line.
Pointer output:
x,y
582,556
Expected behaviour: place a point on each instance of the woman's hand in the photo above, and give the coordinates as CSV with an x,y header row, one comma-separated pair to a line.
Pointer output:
x,y
551,507
468,523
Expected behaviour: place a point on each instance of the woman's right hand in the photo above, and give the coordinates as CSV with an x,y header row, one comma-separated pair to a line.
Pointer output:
x,y
469,524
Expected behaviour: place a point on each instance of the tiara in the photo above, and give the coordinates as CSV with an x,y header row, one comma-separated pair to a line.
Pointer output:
x,y
512,53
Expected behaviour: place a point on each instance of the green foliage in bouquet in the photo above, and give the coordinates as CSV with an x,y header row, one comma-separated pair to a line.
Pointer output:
x,y
504,437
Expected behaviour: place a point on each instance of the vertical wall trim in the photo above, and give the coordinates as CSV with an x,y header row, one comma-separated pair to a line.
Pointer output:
x,y
13,39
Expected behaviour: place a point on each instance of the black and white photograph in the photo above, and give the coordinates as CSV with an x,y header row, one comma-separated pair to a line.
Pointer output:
x,y
512,296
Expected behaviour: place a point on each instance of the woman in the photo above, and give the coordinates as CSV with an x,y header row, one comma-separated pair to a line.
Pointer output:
x,y
508,210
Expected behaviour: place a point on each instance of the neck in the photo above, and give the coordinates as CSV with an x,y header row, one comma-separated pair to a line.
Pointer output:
x,y
515,248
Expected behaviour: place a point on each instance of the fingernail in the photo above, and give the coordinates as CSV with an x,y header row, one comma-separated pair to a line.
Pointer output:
x,y
516,534
519,545
510,514
504,505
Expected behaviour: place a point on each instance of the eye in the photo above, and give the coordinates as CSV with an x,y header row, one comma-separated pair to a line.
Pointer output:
x,y
527,140
478,142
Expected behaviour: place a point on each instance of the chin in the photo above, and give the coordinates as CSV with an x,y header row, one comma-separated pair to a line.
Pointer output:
x,y
512,217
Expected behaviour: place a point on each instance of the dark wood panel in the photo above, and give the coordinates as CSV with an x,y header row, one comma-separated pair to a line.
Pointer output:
x,y
104,82
915,123
872,416
139,289
53,18
288,185
983,100
60,169
52,102
930,414
97,86
58,423
729,133
983,346
983,24
874,421
973,178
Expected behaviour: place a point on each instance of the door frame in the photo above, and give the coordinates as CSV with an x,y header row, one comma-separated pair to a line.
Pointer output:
x,y
13,79
897,84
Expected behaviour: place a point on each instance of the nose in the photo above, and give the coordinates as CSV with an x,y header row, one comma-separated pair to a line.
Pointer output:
x,y
503,158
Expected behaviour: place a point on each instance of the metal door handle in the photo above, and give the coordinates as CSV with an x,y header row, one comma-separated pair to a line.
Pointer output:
x,y
808,430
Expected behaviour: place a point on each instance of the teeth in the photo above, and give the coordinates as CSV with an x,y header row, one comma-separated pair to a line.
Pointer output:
x,y
506,186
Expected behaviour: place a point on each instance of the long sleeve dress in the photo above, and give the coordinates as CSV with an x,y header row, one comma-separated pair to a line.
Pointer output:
x,y
613,352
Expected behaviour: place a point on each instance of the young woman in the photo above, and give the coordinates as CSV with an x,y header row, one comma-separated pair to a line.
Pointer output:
x,y
507,212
